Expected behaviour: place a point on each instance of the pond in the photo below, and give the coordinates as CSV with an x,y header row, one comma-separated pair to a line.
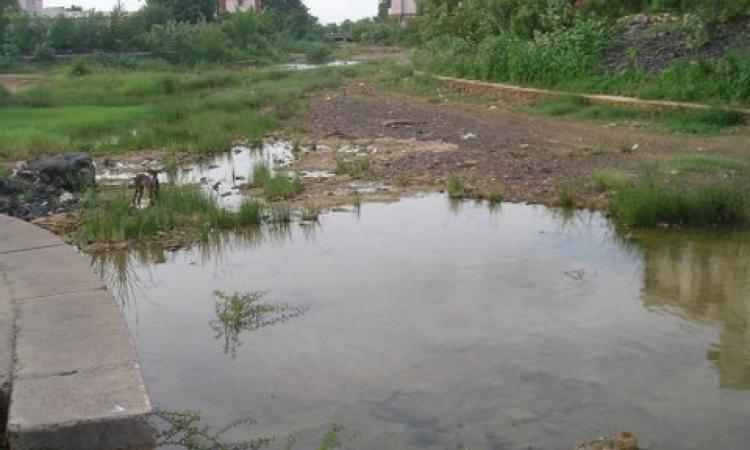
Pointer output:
x,y
430,324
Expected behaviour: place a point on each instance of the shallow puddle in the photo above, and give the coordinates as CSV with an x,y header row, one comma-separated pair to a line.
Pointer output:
x,y
435,325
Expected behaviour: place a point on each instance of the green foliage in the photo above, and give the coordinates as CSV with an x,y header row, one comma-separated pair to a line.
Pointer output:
x,y
238,313
654,201
260,174
183,429
281,214
332,438
318,53
250,213
79,68
188,10
609,180
566,195
282,187
354,168
455,187
709,121
707,163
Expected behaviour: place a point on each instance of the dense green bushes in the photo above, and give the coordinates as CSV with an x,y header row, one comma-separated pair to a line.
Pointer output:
x,y
158,28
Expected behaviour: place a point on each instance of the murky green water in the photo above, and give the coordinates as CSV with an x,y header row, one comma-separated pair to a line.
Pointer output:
x,y
431,326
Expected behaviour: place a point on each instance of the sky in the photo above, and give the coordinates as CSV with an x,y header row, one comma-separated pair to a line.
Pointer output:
x,y
326,10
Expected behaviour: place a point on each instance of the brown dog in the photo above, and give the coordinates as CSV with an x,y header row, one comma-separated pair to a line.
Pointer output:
x,y
146,182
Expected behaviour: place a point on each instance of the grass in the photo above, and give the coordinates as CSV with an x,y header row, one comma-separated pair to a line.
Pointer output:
x,y
281,214
260,175
455,187
705,122
707,163
281,187
686,191
249,213
609,180
566,195
201,111
110,217
354,168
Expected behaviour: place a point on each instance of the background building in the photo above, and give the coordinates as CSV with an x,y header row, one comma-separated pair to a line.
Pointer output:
x,y
231,6
402,9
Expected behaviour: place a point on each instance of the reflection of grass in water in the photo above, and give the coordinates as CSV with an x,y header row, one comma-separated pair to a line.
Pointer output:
x,y
247,312
184,429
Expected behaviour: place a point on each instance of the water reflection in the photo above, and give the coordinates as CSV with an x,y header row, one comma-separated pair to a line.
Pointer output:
x,y
704,278
526,326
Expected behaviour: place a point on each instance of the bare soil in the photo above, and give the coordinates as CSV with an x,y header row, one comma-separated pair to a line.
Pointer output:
x,y
491,146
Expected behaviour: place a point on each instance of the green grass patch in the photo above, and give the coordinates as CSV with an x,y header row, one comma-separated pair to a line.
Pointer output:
x,y
707,163
610,180
110,217
455,187
118,110
281,187
709,121
354,168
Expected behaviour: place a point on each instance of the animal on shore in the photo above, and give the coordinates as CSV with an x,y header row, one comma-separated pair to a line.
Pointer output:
x,y
148,182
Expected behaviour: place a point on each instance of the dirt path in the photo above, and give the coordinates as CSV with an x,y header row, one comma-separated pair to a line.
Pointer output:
x,y
491,147
16,83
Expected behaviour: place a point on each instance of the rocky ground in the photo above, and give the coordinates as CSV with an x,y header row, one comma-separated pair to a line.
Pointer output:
x,y
664,39
493,147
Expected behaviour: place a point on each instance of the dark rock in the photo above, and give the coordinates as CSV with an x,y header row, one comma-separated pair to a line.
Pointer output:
x,y
74,172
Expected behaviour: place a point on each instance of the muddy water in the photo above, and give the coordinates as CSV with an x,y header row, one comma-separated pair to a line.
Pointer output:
x,y
432,325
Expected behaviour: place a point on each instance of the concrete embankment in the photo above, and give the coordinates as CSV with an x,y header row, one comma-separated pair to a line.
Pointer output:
x,y
525,94
67,362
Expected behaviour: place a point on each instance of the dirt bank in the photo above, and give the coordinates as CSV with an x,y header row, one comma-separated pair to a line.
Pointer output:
x,y
491,146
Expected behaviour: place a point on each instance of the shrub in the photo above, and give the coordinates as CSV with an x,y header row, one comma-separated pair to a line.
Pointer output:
x,y
455,187
80,67
318,53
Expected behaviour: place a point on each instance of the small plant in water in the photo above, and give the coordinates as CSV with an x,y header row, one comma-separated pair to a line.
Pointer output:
x,y
247,312
260,175
565,195
455,188
281,214
310,213
353,169
184,429
282,187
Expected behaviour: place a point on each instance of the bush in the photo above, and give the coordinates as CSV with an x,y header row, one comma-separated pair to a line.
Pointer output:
x,y
43,53
79,68
318,53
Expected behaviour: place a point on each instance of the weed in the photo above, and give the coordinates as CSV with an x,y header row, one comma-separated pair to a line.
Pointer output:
x,y
566,195
184,430
456,188
709,121
707,163
310,213
609,180
353,169
282,187
239,312
249,213
281,214
332,439
357,200
260,174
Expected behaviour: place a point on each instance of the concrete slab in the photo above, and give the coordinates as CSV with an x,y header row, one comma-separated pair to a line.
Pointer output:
x,y
105,409
6,350
48,271
18,235
68,332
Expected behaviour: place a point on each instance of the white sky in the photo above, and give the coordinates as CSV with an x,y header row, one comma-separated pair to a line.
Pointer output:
x,y
326,10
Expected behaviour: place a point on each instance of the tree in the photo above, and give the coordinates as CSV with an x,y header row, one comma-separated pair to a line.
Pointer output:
x,y
383,7
189,10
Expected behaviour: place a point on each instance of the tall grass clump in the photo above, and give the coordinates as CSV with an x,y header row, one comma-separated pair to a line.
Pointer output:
x,y
260,174
354,168
249,213
609,180
707,163
455,187
282,187
709,121
657,200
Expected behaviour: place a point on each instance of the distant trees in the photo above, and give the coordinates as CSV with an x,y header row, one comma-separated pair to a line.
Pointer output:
x,y
188,10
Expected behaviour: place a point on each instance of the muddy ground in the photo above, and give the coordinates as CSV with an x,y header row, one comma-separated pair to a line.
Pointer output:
x,y
491,146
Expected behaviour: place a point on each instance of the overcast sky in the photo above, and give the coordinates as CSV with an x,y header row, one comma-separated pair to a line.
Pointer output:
x,y
326,10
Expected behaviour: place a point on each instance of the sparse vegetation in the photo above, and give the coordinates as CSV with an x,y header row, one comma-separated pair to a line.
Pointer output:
x,y
260,174
238,313
609,180
566,196
183,429
686,191
280,214
355,168
282,187
455,187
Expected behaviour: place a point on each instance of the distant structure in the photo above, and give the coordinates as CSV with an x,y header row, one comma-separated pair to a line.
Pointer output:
x,y
31,6
403,10
36,7
232,6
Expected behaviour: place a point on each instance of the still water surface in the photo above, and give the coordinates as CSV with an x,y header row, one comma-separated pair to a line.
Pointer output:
x,y
436,325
